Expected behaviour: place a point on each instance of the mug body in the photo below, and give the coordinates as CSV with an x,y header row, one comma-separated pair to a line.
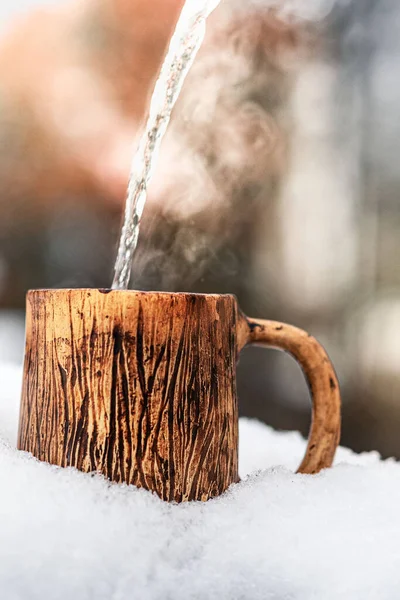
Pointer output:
x,y
138,386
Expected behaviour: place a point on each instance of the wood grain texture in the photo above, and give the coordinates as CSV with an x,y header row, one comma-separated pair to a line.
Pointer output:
x,y
141,387
321,379
138,386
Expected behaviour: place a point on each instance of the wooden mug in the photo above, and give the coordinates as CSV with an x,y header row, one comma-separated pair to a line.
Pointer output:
x,y
141,387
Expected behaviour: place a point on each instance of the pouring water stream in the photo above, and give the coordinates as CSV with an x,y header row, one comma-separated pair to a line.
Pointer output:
x,y
183,48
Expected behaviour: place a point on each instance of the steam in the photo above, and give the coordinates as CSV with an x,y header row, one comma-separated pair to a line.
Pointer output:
x,y
293,10
227,145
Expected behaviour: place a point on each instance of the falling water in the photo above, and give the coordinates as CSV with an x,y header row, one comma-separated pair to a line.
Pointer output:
x,y
184,45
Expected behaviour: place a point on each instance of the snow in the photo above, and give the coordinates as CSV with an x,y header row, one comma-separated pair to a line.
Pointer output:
x,y
276,535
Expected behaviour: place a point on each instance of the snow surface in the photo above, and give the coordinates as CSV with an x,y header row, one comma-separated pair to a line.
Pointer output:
x,y
70,536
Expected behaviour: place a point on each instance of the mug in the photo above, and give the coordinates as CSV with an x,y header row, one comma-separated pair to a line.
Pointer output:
x,y
141,387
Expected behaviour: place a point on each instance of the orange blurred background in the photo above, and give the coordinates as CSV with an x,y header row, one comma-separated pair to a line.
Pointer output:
x,y
277,180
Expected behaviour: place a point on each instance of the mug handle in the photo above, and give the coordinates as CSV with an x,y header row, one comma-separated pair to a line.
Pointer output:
x,y
321,379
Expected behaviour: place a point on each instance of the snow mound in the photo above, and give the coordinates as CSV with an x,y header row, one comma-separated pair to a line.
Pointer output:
x,y
66,535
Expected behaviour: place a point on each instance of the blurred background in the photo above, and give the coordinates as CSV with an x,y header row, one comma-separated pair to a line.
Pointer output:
x,y
278,180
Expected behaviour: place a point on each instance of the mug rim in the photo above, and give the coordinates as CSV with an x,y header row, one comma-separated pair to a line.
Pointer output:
x,y
107,291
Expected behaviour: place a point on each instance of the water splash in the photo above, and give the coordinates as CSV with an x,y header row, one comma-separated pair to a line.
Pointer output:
x,y
184,45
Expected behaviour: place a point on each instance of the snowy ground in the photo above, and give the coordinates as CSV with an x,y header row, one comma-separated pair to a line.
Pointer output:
x,y
276,535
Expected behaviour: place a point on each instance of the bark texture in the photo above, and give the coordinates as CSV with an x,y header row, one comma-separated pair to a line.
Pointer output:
x,y
142,387
138,386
